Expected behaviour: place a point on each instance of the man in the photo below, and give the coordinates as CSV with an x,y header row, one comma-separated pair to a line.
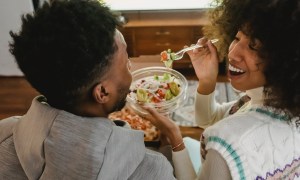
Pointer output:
x,y
71,52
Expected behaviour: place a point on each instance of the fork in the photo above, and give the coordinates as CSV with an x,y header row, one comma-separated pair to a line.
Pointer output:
x,y
179,54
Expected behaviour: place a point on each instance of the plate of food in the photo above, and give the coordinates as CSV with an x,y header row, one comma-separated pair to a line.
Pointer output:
x,y
157,87
151,133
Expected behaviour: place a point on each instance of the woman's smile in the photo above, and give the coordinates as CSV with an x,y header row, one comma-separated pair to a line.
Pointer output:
x,y
235,71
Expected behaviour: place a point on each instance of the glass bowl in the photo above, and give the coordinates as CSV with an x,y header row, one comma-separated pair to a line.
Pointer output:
x,y
163,107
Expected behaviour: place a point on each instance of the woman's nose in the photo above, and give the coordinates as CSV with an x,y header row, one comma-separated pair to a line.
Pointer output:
x,y
235,52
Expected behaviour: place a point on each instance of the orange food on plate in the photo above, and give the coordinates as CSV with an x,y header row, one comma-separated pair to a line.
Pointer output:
x,y
136,122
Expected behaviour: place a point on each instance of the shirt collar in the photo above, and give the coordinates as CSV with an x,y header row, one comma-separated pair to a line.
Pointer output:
x,y
256,95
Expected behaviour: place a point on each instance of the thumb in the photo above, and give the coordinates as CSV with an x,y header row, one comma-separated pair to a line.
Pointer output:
x,y
212,48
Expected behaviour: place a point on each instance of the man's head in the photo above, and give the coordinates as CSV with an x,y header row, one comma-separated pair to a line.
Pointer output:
x,y
67,49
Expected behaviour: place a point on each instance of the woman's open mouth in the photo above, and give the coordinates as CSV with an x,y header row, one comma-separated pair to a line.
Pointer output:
x,y
235,71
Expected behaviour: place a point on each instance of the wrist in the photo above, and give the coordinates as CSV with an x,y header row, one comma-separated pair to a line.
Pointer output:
x,y
206,88
176,139
174,136
178,147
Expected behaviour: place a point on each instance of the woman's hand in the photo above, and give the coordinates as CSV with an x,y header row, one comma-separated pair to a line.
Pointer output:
x,y
166,126
206,64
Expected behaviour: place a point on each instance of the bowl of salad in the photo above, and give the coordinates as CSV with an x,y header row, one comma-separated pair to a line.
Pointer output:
x,y
158,87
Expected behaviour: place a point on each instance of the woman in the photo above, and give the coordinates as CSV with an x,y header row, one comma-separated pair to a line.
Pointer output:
x,y
262,139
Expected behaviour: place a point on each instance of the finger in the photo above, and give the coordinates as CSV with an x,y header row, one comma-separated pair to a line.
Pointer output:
x,y
152,111
202,41
212,48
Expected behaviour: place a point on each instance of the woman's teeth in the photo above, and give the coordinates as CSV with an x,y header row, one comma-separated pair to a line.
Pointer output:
x,y
235,71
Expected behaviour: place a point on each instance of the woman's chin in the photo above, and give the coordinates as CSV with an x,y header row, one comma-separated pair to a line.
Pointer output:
x,y
238,87
239,84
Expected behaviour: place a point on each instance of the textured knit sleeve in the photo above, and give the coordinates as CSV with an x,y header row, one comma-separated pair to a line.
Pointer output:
x,y
183,166
214,167
208,111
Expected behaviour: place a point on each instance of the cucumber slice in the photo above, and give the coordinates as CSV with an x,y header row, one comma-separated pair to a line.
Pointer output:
x,y
142,95
168,95
172,56
174,88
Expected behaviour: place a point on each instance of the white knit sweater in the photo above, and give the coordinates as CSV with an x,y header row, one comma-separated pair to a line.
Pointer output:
x,y
257,143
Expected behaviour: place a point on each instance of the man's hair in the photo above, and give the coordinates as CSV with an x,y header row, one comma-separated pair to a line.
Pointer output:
x,y
276,23
65,48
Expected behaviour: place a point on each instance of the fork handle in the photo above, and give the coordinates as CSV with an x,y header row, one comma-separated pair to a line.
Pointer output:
x,y
188,48
193,47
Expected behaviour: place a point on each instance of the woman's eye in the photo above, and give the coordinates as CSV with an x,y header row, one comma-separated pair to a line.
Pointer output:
x,y
253,46
236,39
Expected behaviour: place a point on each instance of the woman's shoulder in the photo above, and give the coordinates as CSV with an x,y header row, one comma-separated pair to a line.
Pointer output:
x,y
235,123
252,118
256,126
252,135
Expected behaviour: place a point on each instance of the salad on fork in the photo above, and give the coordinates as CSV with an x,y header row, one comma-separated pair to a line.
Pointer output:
x,y
167,57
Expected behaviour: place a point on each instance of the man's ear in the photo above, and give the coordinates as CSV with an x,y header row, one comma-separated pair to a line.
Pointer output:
x,y
99,94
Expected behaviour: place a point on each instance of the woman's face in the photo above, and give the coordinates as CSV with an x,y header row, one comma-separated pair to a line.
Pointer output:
x,y
245,69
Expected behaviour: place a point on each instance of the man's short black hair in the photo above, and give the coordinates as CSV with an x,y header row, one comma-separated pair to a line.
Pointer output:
x,y
65,47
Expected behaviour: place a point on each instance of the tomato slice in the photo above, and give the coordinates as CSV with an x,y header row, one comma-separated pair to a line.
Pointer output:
x,y
155,99
164,56
161,94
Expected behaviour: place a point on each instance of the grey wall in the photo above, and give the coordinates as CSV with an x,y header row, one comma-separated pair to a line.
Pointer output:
x,y
10,19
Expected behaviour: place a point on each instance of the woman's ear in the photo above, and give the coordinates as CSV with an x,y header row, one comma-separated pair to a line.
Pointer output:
x,y
99,94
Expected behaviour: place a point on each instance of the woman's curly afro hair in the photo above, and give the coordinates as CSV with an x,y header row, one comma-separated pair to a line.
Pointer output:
x,y
276,23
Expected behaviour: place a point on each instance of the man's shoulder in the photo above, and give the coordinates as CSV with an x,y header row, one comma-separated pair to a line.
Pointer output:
x,y
12,119
155,166
6,126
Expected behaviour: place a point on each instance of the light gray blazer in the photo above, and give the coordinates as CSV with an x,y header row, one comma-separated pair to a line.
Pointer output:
x,y
47,143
